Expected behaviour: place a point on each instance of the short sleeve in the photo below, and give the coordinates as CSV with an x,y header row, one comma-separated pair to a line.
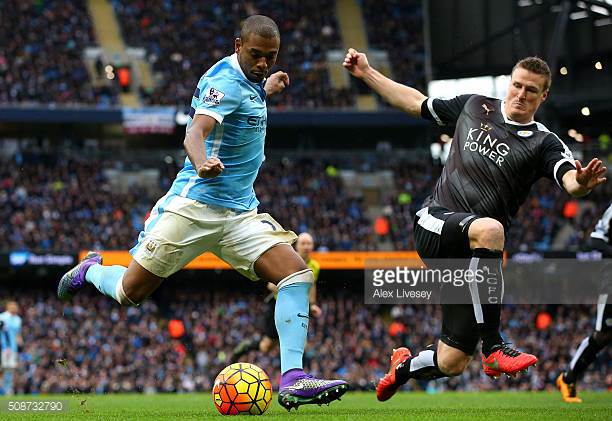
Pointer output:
x,y
444,112
217,97
556,158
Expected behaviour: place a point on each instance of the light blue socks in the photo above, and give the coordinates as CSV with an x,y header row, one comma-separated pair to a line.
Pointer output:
x,y
291,318
105,278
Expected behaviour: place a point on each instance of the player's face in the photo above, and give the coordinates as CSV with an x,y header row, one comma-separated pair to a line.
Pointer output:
x,y
12,308
525,94
257,56
304,246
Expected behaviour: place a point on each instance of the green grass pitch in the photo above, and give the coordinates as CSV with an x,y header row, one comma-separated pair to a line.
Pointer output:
x,y
354,406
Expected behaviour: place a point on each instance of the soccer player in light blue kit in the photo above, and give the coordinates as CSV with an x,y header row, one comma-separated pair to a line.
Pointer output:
x,y
10,341
211,206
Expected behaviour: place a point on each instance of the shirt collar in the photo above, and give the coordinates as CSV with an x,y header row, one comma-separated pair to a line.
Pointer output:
x,y
507,120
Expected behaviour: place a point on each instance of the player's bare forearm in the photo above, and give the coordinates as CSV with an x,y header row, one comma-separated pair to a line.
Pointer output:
x,y
400,96
271,287
312,298
206,167
194,146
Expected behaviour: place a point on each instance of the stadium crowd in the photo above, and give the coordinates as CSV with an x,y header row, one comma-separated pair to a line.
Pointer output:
x,y
183,39
396,26
93,345
49,204
41,54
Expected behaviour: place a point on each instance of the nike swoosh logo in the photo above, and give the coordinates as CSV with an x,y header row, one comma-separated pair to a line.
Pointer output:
x,y
252,97
305,316
494,365
298,386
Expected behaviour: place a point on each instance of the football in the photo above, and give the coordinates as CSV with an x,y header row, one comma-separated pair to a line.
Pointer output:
x,y
242,389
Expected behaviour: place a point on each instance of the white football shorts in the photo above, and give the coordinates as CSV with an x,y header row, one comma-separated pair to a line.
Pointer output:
x,y
180,229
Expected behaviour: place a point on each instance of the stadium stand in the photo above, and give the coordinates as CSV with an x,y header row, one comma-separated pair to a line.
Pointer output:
x,y
48,204
396,26
45,65
184,39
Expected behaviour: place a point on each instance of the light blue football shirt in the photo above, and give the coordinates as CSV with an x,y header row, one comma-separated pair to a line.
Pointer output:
x,y
239,107
10,330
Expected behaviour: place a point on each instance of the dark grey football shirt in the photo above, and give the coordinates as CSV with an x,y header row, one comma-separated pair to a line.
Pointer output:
x,y
493,161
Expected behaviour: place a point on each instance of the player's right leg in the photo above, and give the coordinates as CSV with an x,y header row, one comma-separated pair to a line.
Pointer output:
x,y
177,231
128,286
587,352
454,351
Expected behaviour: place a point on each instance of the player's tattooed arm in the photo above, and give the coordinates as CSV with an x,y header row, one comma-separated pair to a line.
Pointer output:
x,y
276,83
207,167
581,181
400,96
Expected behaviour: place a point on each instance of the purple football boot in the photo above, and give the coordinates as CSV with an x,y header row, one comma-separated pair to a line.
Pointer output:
x,y
74,279
298,388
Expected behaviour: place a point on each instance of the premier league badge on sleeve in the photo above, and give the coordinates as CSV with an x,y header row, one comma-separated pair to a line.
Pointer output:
x,y
213,97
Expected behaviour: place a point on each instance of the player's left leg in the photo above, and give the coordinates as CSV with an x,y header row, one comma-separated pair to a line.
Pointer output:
x,y
7,383
486,238
258,247
9,364
284,267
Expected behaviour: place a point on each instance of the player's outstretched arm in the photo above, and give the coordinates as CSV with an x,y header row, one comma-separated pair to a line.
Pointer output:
x,y
200,127
581,181
400,96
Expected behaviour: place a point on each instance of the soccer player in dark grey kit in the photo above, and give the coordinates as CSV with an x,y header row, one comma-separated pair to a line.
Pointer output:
x,y
498,152
601,240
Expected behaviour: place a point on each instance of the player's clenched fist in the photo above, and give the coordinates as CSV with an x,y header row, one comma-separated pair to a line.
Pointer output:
x,y
356,63
276,83
211,168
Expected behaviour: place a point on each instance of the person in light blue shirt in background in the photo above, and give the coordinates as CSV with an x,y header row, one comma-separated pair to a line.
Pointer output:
x,y
10,343
212,206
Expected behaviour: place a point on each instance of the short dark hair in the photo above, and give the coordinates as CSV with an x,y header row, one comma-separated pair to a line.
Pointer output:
x,y
259,25
536,65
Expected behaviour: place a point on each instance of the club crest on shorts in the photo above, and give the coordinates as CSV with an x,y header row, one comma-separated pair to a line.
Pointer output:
x,y
151,246
213,97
